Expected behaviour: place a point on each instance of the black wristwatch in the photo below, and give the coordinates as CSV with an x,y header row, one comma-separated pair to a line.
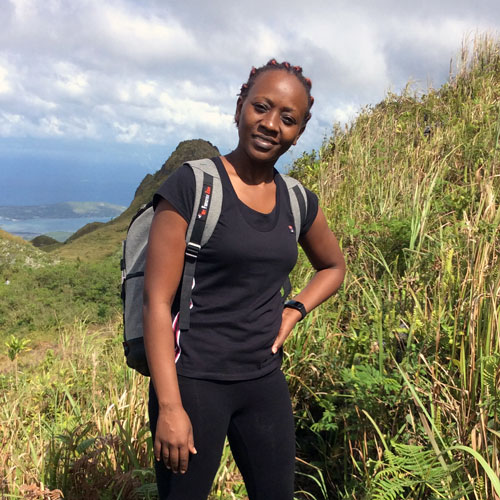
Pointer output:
x,y
295,304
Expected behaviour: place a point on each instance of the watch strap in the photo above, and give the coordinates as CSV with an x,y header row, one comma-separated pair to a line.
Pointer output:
x,y
295,304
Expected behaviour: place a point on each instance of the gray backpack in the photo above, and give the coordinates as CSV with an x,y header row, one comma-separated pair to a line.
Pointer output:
x,y
206,211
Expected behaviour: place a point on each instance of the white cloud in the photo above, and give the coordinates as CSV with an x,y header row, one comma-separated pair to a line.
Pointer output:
x,y
36,103
342,114
149,36
70,79
5,86
126,133
146,89
51,126
154,72
9,122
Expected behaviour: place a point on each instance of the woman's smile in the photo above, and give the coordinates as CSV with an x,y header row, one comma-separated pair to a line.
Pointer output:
x,y
263,142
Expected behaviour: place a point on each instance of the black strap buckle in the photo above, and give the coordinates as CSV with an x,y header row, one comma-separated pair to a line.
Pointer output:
x,y
192,250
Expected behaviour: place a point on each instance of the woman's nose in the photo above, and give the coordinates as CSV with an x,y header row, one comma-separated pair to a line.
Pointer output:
x,y
270,120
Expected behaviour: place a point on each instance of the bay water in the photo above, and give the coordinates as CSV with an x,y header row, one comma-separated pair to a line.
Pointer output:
x,y
29,228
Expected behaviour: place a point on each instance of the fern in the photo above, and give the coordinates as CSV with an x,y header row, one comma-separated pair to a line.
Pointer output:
x,y
437,420
414,473
490,372
479,487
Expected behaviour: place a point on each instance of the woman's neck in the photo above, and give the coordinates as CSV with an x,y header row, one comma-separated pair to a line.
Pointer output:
x,y
247,171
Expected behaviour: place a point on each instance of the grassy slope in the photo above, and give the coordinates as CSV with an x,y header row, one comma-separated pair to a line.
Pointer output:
x,y
418,216
98,241
11,237
39,292
15,252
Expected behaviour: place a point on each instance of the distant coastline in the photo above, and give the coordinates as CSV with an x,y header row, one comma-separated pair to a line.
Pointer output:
x,y
64,210
59,220
60,229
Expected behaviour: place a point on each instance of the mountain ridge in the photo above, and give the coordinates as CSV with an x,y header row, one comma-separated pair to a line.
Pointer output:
x,y
96,241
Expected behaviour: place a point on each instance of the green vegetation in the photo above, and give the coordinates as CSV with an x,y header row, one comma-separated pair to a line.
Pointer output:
x,y
60,236
45,242
39,293
16,254
88,228
401,395
395,382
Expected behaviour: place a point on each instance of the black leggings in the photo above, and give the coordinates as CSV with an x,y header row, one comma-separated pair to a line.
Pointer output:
x,y
255,415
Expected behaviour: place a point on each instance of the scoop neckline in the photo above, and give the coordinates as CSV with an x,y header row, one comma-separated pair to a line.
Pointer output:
x,y
243,204
258,221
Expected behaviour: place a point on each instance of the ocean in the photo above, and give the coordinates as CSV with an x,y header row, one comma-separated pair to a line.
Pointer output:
x,y
29,228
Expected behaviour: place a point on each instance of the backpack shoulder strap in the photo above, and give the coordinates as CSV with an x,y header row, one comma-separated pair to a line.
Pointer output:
x,y
298,202
206,212
204,171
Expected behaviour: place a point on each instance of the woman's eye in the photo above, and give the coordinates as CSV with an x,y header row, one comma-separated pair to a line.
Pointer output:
x,y
261,108
288,120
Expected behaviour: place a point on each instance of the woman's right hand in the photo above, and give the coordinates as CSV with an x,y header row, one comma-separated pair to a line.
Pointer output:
x,y
174,439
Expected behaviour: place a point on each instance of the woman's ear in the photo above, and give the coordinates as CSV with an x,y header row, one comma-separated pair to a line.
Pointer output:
x,y
299,134
237,114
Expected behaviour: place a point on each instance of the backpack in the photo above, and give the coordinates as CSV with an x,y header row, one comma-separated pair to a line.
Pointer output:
x,y
205,215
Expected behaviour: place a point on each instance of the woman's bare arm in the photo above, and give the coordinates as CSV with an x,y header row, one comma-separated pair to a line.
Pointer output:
x,y
164,264
323,251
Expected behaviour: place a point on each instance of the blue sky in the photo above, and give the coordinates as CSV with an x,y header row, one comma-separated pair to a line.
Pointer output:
x,y
96,94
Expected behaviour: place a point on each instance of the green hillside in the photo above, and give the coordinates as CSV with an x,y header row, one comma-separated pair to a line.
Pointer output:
x,y
17,254
88,228
395,382
96,241
407,357
40,293
45,242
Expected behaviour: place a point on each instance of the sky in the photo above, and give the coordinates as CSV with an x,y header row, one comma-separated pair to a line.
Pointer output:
x,y
95,94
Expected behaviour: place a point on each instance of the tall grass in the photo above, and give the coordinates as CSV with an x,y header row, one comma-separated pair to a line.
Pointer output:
x,y
78,424
411,189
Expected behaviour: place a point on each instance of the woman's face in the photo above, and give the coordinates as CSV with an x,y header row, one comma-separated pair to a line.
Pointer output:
x,y
271,117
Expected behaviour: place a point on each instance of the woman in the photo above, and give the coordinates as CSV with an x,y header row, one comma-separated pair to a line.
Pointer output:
x,y
227,379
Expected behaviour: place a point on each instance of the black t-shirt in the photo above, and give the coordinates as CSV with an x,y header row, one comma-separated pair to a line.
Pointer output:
x,y
236,297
